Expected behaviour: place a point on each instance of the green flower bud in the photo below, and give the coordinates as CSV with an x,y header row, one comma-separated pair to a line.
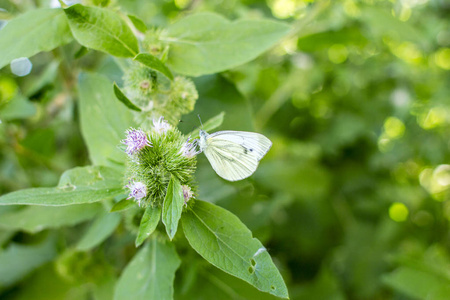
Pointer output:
x,y
152,167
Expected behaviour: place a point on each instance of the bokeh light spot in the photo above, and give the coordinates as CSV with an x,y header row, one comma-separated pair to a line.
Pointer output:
x,y
398,212
21,66
442,58
394,128
338,53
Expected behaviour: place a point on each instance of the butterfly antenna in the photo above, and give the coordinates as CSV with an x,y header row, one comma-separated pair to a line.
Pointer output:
x,y
200,120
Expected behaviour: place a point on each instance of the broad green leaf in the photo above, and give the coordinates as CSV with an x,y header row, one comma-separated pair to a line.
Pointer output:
x,y
224,241
123,204
173,206
150,274
101,29
16,261
33,219
103,120
17,108
206,43
154,63
79,185
424,278
149,221
138,23
124,99
209,125
99,231
32,32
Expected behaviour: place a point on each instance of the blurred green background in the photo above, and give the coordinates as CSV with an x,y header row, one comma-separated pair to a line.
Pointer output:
x,y
352,201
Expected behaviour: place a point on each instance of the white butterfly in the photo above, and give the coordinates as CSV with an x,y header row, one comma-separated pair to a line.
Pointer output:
x,y
234,155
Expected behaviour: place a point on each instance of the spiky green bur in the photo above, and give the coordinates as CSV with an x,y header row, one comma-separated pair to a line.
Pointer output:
x,y
155,165
158,96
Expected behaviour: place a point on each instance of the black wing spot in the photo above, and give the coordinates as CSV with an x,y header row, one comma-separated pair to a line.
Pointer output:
x,y
251,150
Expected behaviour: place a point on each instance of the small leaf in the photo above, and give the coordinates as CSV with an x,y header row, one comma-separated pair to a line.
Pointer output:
x,y
101,29
33,219
32,32
99,231
81,52
76,186
17,108
154,63
103,122
123,204
138,23
206,43
224,241
173,206
149,221
122,98
209,125
150,274
16,261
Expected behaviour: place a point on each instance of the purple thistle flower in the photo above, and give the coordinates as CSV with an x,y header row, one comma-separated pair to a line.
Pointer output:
x,y
138,191
189,149
187,193
136,140
160,125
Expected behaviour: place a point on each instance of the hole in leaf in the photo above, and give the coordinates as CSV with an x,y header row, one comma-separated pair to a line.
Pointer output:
x,y
253,262
273,288
251,270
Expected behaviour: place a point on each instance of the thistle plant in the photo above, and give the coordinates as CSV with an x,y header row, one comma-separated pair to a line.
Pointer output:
x,y
143,167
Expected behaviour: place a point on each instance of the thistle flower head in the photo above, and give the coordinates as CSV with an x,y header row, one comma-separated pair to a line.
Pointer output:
x,y
187,193
160,125
138,191
189,149
135,141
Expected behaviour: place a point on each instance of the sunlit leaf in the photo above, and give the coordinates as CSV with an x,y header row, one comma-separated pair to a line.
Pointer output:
x,y
32,32
150,274
101,29
79,185
103,121
173,206
223,240
148,224
206,43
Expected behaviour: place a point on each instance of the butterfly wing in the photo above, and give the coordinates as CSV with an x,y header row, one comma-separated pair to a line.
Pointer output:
x,y
235,155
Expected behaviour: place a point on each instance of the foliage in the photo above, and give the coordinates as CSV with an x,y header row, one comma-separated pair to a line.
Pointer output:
x,y
105,196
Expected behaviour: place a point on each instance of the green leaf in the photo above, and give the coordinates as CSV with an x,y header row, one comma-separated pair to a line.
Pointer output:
x,y
173,206
149,221
206,43
224,241
150,274
18,108
32,32
101,29
123,204
16,261
99,231
76,186
424,277
154,63
103,121
138,23
33,219
209,125
122,98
